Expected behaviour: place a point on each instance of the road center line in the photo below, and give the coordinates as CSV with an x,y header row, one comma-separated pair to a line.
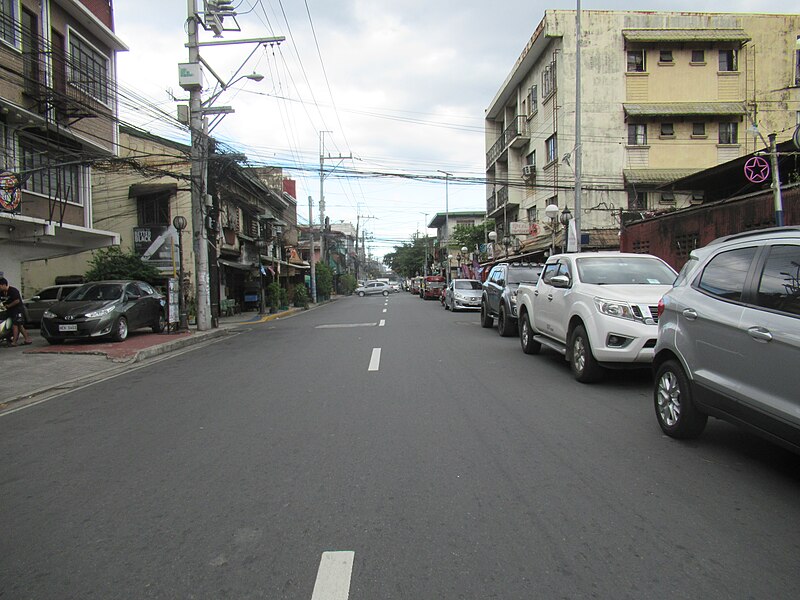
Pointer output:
x,y
344,325
382,323
384,310
333,576
375,360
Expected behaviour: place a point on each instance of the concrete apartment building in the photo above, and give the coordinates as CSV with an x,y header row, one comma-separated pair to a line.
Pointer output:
x,y
58,114
664,95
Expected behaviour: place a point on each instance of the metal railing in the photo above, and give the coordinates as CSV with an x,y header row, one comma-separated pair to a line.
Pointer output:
x,y
518,127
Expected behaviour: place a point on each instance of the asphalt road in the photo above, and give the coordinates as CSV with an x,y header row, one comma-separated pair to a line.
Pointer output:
x,y
421,458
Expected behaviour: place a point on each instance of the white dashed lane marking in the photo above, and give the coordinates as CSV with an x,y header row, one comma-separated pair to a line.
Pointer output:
x,y
382,323
375,359
333,576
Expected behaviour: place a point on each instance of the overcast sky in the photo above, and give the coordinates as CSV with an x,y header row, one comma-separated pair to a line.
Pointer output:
x,y
400,85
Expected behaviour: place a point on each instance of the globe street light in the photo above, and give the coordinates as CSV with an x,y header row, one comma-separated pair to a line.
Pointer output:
x,y
179,222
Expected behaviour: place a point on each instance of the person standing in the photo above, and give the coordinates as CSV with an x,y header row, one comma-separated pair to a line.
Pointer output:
x,y
16,311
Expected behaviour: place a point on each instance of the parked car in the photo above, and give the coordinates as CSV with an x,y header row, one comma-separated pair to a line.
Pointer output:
x,y
104,309
597,309
45,299
463,294
395,285
729,338
372,288
499,296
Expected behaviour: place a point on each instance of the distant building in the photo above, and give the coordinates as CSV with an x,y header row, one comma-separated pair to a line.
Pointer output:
x,y
664,95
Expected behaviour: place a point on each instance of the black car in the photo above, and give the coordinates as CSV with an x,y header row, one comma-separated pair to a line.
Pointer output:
x,y
43,300
104,309
499,296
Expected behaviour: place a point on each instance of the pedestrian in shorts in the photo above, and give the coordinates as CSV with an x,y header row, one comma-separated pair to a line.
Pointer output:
x,y
16,311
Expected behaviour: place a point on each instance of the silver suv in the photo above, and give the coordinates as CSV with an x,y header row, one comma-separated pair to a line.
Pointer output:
x,y
729,338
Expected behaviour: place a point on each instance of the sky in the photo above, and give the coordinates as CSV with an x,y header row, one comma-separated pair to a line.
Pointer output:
x,y
400,86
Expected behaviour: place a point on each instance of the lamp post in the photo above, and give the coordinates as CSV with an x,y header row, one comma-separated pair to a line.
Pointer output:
x,y
556,216
179,222
464,251
493,239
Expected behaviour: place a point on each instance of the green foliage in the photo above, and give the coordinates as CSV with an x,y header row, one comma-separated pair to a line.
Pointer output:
x,y
300,296
113,263
347,283
471,235
408,260
284,296
324,280
273,295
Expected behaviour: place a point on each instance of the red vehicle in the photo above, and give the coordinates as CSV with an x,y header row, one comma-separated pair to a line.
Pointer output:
x,y
433,286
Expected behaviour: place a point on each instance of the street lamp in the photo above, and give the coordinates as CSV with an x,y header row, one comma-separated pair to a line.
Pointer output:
x,y
179,222
464,251
556,216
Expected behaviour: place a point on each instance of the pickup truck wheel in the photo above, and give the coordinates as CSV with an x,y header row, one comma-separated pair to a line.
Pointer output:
x,y
505,326
487,320
676,412
581,360
529,345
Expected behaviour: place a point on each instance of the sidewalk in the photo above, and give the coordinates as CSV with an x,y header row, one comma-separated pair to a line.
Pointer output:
x,y
41,368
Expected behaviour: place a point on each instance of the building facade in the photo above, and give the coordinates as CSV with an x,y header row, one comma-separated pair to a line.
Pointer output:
x,y
664,95
58,115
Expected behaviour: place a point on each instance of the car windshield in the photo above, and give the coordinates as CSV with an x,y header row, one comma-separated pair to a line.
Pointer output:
x,y
624,270
96,292
467,285
524,275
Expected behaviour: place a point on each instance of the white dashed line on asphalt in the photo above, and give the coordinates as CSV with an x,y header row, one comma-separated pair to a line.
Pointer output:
x,y
382,323
384,310
333,576
344,325
375,360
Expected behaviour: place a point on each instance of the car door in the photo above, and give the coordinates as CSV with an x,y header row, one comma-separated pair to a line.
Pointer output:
x,y
770,334
132,306
496,287
151,303
40,303
708,333
549,308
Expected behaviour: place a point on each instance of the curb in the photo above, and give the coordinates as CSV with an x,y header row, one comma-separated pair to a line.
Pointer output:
x,y
195,338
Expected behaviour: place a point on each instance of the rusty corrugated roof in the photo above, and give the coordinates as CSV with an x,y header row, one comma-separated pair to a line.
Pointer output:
x,y
656,176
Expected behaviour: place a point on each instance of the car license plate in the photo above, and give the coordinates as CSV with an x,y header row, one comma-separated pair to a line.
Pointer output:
x,y
68,328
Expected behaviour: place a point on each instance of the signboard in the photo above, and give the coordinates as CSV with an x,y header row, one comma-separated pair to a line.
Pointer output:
x,y
10,192
173,291
156,245
518,228
756,169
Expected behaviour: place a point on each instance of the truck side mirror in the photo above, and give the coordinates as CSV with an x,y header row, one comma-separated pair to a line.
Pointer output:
x,y
560,281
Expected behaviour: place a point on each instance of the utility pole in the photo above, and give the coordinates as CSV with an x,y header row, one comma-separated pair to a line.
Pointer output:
x,y
199,152
578,148
311,258
191,80
446,223
776,180
322,159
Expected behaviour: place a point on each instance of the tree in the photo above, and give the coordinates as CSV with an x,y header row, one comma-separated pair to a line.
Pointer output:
x,y
324,280
408,260
113,263
472,235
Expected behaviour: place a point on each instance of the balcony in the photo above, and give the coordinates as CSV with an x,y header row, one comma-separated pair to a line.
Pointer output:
x,y
497,201
514,136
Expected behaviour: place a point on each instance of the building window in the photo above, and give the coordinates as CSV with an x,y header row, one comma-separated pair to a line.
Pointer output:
x,y
49,175
637,134
636,63
533,214
797,61
636,200
665,56
533,101
88,68
549,80
668,130
699,56
667,198
153,209
551,147
727,60
699,129
9,22
728,133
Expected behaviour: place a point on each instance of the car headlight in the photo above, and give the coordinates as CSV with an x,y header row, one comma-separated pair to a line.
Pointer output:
x,y
615,308
460,297
49,314
100,312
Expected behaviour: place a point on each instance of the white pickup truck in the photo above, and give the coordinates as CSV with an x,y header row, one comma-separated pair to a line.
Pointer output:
x,y
598,309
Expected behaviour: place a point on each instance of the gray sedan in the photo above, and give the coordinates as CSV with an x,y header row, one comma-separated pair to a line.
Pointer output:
x,y
463,294
372,288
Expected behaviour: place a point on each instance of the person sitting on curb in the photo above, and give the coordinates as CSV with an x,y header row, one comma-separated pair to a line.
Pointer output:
x,y
16,311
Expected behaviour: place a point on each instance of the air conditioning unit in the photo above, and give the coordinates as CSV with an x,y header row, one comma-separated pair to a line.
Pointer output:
x,y
529,172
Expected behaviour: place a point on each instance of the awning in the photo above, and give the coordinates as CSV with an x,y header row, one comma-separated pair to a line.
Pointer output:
x,y
145,189
685,35
656,176
684,109
236,265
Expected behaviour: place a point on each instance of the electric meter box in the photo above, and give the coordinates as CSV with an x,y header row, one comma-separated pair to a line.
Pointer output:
x,y
190,76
